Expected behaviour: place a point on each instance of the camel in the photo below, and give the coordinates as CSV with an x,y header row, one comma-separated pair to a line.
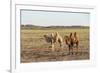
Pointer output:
x,y
72,40
53,39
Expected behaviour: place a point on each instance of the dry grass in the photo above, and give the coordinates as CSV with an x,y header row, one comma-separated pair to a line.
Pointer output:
x,y
35,49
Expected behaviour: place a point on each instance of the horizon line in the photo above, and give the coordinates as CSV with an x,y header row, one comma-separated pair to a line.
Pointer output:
x,y
53,25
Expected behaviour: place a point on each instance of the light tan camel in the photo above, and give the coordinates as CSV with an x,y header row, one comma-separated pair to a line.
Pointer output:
x,y
53,39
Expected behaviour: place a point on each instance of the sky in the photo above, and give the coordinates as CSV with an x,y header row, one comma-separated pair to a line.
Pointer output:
x,y
48,18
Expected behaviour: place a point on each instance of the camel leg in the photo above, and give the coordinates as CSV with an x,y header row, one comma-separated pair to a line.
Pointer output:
x,y
69,50
76,50
61,45
52,47
77,47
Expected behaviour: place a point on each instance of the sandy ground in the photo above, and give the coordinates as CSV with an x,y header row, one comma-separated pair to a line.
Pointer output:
x,y
45,55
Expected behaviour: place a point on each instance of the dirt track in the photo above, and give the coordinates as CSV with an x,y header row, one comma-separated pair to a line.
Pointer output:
x,y
45,55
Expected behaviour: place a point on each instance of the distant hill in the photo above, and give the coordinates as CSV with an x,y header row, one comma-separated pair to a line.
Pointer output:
x,y
50,27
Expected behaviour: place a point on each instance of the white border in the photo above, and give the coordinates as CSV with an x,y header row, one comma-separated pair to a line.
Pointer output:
x,y
15,53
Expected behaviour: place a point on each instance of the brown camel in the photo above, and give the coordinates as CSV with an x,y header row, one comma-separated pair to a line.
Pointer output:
x,y
72,40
